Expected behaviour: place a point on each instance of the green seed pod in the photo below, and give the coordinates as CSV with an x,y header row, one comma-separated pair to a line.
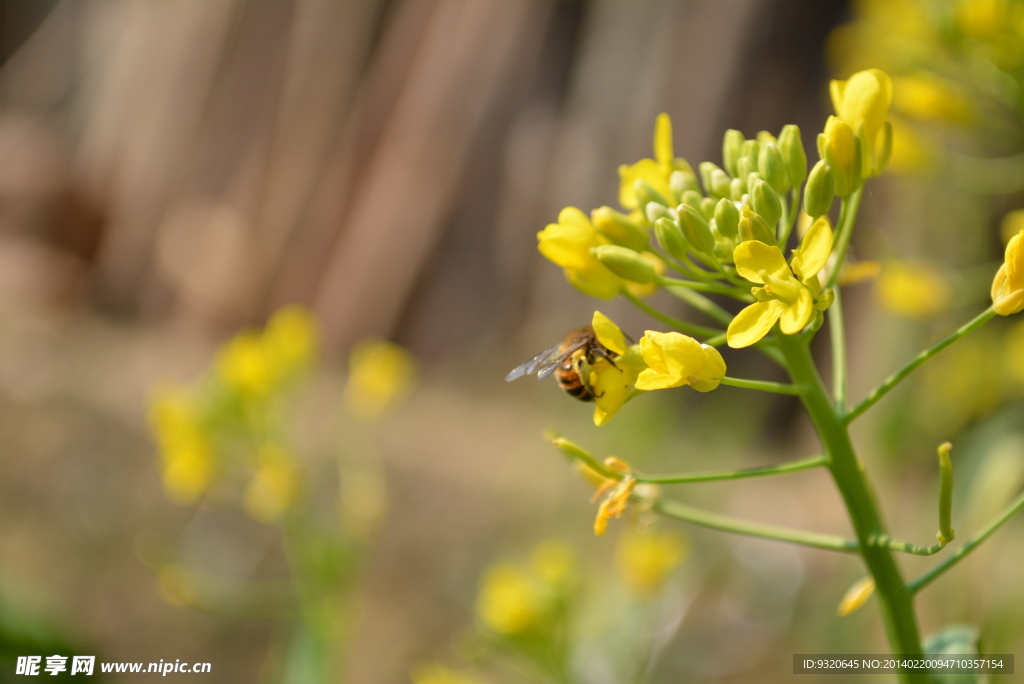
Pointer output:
x,y
670,237
792,148
645,193
618,228
820,190
732,145
696,229
772,167
707,208
766,201
692,197
625,263
753,227
727,218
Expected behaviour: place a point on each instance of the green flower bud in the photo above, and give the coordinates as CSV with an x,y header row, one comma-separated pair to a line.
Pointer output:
x,y
772,167
646,193
654,211
766,138
707,208
732,145
696,229
751,149
753,227
716,181
618,228
681,181
820,190
625,263
670,237
727,218
766,200
692,198
746,166
737,188
792,148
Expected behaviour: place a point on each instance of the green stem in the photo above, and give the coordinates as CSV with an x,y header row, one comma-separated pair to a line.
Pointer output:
x,y
794,212
701,303
716,521
895,599
886,542
678,324
759,471
704,287
837,335
763,385
847,217
973,543
902,373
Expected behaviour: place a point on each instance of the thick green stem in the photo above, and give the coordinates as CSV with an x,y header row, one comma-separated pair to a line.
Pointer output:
x,y
895,598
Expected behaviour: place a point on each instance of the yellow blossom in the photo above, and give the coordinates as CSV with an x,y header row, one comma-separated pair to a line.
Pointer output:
x,y
510,601
856,272
380,374
614,504
856,596
273,486
439,674
863,102
674,360
646,560
611,384
837,145
791,293
568,244
915,289
188,464
1008,285
243,365
291,340
655,171
926,97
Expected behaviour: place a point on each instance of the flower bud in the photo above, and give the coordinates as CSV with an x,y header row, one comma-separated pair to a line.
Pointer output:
x,y
645,193
654,211
751,149
670,237
692,198
732,145
681,181
839,147
737,188
618,228
765,138
707,208
863,102
746,167
696,229
820,190
716,181
1008,285
625,263
753,227
727,218
772,167
792,148
766,201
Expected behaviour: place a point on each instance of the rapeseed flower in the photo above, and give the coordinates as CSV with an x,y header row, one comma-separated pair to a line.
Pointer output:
x,y
791,293
646,560
380,374
274,484
611,384
568,243
863,101
915,289
656,172
186,454
675,360
1008,285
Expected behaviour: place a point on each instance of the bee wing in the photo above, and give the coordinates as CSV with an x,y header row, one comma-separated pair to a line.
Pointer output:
x,y
543,359
554,363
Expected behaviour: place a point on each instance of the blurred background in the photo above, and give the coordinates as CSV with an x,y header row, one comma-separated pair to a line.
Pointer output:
x,y
172,173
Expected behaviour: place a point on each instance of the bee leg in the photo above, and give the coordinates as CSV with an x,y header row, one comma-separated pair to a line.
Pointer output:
x,y
606,356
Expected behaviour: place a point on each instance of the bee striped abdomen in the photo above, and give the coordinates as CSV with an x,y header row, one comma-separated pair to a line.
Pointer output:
x,y
569,380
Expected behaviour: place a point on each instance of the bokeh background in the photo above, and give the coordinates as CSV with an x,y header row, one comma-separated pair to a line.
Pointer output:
x,y
173,172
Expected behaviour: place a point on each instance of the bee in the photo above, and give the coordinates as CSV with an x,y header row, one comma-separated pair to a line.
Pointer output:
x,y
570,361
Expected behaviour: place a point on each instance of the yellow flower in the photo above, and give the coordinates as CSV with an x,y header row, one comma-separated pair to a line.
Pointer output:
x,y
791,293
611,384
380,374
837,145
188,464
674,360
646,560
243,365
274,485
1008,285
291,340
614,504
439,674
655,171
568,244
1012,223
926,97
863,101
510,601
915,289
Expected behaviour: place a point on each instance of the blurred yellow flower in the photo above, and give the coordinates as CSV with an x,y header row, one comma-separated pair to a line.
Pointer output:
x,y
188,464
614,504
510,601
1008,284
856,272
915,289
1012,223
611,384
243,365
791,293
291,340
553,561
274,484
568,244
645,560
926,97
380,374
675,360
856,596
439,674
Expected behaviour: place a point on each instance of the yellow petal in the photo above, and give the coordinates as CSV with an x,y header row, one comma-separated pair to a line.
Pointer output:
x,y
814,249
595,280
609,334
663,151
863,101
753,256
650,171
798,314
712,372
753,323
